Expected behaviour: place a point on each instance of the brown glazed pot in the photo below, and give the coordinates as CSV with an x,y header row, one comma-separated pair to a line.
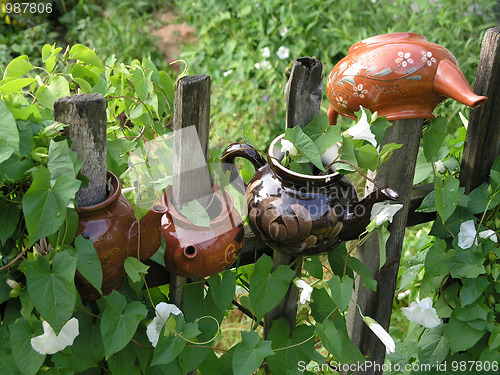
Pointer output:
x,y
115,231
299,214
193,251
399,75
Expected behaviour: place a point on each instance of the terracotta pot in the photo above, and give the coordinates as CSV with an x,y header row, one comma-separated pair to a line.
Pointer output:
x,y
115,231
299,214
399,75
193,251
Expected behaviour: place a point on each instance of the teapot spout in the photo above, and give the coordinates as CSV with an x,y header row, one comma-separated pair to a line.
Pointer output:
x,y
150,233
450,81
358,216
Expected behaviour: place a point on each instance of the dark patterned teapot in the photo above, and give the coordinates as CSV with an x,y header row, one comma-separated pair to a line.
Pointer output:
x,y
299,214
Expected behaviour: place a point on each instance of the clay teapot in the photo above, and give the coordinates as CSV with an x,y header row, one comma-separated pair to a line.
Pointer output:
x,y
399,75
195,251
115,231
299,214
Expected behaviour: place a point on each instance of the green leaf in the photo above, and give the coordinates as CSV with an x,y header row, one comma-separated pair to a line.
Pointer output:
x,y
434,260
464,263
321,133
60,161
494,340
429,203
423,168
52,288
11,85
363,272
268,289
9,218
347,154
379,128
412,268
314,267
472,289
480,199
322,304
88,262
28,361
367,157
341,290
59,86
337,342
447,196
222,289
134,268
85,54
17,67
250,353
9,136
45,97
44,203
141,84
434,137
383,235
196,214
119,322
433,346
304,145
461,335
299,347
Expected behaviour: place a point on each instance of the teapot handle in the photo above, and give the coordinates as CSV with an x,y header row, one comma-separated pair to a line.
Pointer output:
x,y
243,150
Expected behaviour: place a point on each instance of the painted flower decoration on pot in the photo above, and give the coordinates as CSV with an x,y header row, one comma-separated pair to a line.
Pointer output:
x,y
422,313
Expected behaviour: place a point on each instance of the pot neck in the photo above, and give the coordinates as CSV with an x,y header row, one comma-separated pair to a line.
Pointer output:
x,y
275,156
114,191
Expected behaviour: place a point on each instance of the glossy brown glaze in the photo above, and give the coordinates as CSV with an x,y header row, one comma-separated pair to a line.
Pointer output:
x,y
298,214
399,75
194,251
115,231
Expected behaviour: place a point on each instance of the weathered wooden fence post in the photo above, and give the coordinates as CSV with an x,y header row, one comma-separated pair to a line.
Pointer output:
x,y
303,94
191,178
86,116
397,173
482,143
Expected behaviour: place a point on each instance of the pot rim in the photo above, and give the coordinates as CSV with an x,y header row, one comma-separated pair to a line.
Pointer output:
x,y
225,200
388,38
115,190
291,175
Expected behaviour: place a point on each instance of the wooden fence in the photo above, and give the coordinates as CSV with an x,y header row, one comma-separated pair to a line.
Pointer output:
x,y
303,98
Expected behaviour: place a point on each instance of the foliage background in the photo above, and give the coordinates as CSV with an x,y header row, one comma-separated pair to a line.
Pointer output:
x,y
231,36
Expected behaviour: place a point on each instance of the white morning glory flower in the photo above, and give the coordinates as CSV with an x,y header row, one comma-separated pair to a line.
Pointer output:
x,y
50,343
283,53
266,52
489,234
330,155
381,333
227,72
384,211
440,166
163,312
264,65
422,313
305,294
287,146
283,31
362,130
467,234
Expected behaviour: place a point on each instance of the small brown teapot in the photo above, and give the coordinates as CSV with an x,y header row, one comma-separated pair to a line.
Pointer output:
x,y
299,214
116,232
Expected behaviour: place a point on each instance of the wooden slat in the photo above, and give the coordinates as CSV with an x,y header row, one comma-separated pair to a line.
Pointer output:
x,y
397,173
86,116
482,143
303,93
